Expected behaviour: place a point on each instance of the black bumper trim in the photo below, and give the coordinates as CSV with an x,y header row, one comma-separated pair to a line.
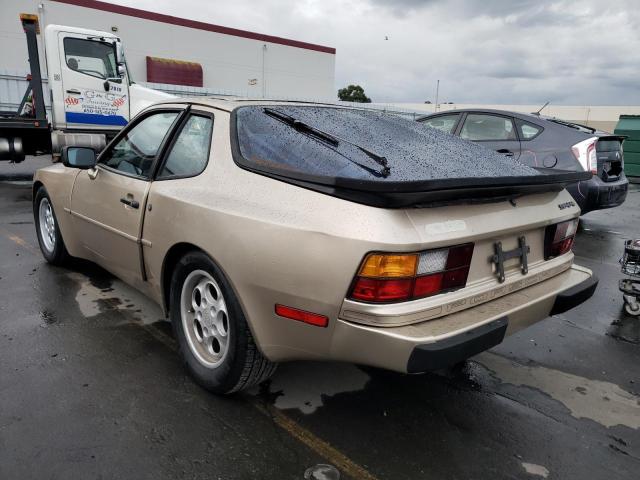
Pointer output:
x,y
574,296
447,352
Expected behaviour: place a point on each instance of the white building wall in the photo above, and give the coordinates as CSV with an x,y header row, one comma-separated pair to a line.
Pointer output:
x,y
230,64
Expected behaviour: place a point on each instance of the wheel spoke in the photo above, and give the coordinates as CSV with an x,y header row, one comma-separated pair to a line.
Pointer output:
x,y
205,318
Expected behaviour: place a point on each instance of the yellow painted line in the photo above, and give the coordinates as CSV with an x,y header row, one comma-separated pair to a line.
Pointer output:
x,y
19,241
322,448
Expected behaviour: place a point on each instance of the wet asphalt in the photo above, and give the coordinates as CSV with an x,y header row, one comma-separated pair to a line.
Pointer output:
x,y
91,388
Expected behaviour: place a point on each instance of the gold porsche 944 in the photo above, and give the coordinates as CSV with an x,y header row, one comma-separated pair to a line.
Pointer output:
x,y
277,231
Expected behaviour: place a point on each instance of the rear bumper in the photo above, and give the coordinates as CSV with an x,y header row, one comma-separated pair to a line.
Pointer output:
x,y
574,296
596,194
447,340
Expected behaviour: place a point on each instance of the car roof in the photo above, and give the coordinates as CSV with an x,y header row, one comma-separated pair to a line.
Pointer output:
x,y
523,116
545,121
229,103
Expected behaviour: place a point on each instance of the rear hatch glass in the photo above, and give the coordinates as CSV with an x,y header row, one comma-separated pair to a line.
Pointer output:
x,y
342,150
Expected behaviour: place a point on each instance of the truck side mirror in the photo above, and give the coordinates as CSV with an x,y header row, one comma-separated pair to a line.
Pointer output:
x,y
119,54
122,70
79,157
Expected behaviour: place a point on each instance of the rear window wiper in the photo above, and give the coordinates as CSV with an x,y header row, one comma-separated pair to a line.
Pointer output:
x,y
330,140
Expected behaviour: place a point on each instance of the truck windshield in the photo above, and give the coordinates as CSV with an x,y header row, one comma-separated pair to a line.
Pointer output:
x,y
333,143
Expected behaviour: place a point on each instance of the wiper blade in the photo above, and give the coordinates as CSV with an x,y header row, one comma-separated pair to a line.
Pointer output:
x,y
330,140
302,127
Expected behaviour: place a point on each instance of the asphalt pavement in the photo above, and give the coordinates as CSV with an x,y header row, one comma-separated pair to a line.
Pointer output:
x,y
91,387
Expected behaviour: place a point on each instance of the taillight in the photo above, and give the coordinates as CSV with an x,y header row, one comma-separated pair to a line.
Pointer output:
x,y
558,238
585,153
388,278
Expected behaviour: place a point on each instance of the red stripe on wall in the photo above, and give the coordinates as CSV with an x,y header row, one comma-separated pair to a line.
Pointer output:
x,y
164,70
183,22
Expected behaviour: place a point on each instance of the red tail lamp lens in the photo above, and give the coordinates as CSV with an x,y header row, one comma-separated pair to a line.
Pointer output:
x,y
558,238
302,316
428,285
379,290
423,274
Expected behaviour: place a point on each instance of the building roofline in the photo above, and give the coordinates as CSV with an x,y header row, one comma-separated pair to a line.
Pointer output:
x,y
183,22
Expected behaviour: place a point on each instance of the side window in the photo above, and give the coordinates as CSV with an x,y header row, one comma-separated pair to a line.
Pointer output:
x,y
446,123
135,152
90,57
480,126
528,131
190,152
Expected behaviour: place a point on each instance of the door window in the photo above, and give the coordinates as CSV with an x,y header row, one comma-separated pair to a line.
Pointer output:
x,y
93,58
136,151
190,152
446,123
488,127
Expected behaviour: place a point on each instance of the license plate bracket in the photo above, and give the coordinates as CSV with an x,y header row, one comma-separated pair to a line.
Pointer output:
x,y
502,256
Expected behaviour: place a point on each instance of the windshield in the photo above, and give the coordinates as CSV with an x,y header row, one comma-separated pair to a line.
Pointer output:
x,y
330,143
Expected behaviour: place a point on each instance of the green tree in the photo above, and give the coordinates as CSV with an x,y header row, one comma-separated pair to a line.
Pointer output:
x,y
353,93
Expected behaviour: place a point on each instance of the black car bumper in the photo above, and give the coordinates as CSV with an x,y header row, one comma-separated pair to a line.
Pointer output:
x,y
447,352
595,194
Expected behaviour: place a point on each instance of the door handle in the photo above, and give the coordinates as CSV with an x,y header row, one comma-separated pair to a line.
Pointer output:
x,y
130,202
505,152
74,92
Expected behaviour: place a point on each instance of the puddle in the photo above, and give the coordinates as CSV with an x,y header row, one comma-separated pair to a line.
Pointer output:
x,y
602,402
304,385
533,469
98,295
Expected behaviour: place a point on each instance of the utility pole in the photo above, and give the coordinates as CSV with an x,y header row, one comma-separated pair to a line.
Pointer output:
x,y
437,92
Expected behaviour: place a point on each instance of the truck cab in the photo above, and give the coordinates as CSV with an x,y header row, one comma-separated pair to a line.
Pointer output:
x,y
91,89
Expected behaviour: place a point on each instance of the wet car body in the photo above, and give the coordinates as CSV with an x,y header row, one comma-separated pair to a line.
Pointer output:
x,y
316,232
545,142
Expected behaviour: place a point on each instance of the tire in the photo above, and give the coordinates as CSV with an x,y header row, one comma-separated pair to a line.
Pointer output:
x,y
48,231
212,332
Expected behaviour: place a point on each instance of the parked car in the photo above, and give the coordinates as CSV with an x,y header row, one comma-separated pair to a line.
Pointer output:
x,y
283,231
547,142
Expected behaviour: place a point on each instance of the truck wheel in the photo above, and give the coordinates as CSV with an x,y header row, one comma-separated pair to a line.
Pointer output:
x,y
49,237
214,338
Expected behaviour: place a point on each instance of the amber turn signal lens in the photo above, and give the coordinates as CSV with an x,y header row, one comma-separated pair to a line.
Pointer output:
x,y
389,266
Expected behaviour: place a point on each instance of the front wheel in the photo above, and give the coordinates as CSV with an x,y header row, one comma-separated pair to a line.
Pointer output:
x,y
49,236
212,332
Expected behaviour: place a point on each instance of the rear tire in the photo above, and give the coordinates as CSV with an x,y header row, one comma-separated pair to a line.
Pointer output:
x,y
48,231
212,332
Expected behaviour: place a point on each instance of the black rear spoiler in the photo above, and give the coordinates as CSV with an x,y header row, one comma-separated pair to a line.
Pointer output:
x,y
433,193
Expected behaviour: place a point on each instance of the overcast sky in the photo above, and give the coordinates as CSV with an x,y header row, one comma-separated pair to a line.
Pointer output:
x,y
483,51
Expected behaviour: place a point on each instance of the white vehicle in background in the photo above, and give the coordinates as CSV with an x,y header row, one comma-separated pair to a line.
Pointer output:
x,y
92,95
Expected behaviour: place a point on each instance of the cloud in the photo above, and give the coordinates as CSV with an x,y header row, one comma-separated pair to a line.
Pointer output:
x,y
494,51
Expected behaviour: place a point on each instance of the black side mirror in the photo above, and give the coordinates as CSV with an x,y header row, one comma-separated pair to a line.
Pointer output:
x,y
79,157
